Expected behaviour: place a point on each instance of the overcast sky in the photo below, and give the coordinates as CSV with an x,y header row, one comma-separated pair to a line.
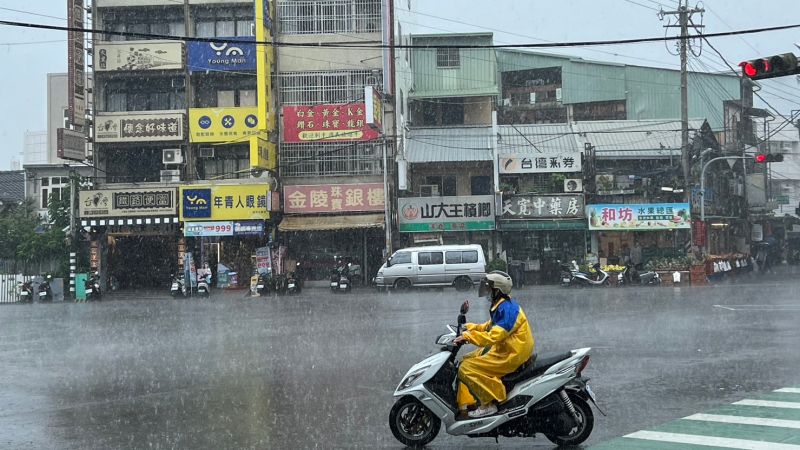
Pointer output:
x,y
28,55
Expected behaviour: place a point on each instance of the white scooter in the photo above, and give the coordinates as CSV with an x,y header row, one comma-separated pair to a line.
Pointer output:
x,y
577,278
203,284
546,395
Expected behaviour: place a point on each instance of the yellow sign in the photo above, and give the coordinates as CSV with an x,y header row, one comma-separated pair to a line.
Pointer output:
x,y
264,61
225,202
223,124
263,154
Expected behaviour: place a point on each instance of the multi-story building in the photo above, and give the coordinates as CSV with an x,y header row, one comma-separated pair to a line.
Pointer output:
x,y
335,139
535,133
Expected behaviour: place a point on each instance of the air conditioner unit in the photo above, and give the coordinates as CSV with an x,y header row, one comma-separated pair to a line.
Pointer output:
x,y
558,94
532,98
573,185
179,82
506,102
170,176
171,156
206,152
429,190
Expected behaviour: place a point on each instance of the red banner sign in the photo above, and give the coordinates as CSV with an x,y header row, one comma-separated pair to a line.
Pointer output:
x,y
328,198
699,233
327,123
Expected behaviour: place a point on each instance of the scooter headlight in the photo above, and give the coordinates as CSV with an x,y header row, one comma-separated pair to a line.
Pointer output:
x,y
409,380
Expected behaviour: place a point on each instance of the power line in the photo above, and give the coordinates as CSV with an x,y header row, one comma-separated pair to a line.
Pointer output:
x,y
361,46
30,13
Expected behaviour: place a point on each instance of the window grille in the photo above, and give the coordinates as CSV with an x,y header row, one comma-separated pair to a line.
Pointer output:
x,y
329,16
448,58
311,88
339,158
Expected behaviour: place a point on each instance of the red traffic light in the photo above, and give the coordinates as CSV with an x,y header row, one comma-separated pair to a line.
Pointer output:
x,y
768,158
773,66
760,158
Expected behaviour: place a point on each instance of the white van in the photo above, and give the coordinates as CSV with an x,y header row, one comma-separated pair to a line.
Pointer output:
x,y
461,266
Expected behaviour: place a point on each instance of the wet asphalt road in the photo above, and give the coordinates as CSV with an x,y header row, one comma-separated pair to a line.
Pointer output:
x,y
318,371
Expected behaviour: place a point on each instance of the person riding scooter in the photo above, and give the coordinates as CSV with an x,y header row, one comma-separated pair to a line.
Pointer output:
x,y
507,343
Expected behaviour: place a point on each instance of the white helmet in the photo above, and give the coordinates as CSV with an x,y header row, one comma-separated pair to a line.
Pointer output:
x,y
495,280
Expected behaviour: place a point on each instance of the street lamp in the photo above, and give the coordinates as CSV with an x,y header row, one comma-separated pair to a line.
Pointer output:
x,y
703,188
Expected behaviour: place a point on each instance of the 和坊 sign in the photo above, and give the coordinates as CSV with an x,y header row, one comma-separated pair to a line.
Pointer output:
x,y
639,217
331,198
232,54
225,202
543,207
567,162
464,213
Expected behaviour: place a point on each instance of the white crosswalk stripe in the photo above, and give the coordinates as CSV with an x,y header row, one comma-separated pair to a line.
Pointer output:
x,y
746,420
768,403
693,439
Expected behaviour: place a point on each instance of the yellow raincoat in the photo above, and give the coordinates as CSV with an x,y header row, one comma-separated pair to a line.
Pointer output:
x,y
507,342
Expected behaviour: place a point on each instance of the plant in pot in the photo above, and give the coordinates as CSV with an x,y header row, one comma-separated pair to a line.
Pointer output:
x,y
557,180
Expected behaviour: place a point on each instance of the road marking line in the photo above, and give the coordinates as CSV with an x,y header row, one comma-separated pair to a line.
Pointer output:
x,y
709,441
769,403
739,420
780,308
789,390
724,307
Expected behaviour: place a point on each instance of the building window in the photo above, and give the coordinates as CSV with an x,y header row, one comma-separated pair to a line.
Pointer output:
x,y
54,186
310,88
164,21
329,16
481,185
224,22
437,112
316,159
225,92
229,162
445,185
148,94
447,58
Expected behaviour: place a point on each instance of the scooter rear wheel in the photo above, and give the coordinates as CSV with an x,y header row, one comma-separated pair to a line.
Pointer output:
x,y
412,423
582,431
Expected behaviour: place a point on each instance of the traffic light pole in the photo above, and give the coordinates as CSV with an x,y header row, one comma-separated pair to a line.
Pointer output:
x,y
703,189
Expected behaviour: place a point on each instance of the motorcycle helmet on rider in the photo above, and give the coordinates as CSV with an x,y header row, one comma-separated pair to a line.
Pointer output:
x,y
494,285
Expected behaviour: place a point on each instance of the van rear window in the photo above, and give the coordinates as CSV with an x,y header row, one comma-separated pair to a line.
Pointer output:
x,y
430,258
470,256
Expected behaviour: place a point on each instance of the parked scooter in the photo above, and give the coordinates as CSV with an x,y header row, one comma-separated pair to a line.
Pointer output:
x,y
203,284
572,276
547,395
26,292
345,284
294,283
335,276
93,287
45,291
264,286
178,287
280,284
631,275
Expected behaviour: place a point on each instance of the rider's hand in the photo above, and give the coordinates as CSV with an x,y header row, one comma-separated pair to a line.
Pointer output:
x,y
460,340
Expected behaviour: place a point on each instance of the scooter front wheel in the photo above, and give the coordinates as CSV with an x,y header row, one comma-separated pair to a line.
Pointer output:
x,y
412,423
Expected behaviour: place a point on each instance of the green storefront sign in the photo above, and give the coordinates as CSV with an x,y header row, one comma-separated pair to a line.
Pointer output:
x,y
456,213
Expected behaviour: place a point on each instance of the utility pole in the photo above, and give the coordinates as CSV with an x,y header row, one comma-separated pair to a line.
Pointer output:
x,y
684,15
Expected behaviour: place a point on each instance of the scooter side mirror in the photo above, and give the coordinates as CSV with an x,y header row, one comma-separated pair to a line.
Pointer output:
x,y
465,307
462,319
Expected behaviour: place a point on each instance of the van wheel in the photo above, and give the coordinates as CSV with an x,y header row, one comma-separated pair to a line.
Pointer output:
x,y
403,284
463,284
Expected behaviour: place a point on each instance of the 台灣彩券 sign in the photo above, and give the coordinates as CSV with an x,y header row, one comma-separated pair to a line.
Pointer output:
x,y
330,198
639,217
543,207
327,123
225,202
464,213
567,162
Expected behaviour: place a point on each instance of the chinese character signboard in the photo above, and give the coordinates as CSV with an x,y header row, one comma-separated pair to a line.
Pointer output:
x,y
644,217
327,123
76,77
374,108
222,124
331,198
233,53
139,55
70,144
565,162
225,202
543,207
426,214
139,127
224,228
699,233
127,203
263,154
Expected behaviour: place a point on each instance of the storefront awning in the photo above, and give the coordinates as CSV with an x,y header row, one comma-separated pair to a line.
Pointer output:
x,y
323,223
518,225
128,221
